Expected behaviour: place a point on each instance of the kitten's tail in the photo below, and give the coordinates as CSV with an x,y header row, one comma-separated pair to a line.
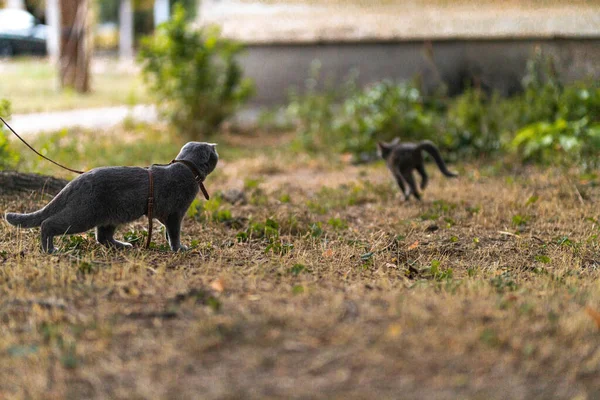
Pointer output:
x,y
431,148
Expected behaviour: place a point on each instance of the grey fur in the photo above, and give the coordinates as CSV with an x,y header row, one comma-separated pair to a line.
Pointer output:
x,y
403,158
110,196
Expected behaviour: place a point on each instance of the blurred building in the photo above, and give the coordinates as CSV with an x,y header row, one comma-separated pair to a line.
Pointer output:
x,y
460,42
20,4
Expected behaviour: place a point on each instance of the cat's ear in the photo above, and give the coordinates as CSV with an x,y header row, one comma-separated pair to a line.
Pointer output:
x,y
382,149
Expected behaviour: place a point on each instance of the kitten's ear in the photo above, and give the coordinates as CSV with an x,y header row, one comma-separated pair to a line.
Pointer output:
x,y
382,149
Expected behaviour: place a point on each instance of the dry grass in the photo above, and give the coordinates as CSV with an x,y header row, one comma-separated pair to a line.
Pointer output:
x,y
354,295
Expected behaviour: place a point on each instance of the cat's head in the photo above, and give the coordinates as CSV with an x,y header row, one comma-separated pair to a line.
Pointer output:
x,y
203,155
384,149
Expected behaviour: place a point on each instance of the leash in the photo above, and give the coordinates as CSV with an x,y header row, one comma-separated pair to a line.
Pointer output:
x,y
150,213
36,152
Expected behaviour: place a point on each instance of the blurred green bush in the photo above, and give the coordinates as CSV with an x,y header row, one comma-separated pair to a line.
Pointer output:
x,y
194,75
8,157
558,125
381,112
546,123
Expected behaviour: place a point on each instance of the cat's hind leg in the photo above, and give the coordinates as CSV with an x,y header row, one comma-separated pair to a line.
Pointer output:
x,y
104,236
61,224
47,237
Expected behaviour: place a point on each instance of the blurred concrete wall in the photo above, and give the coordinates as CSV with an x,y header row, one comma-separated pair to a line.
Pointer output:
x,y
487,41
495,64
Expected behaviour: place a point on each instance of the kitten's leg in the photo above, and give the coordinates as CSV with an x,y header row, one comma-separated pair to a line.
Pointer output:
x,y
104,236
173,225
410,179
401,184
423,173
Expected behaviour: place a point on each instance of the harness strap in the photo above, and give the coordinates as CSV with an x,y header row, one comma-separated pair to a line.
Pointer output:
x,y
197,178
197,175
150,207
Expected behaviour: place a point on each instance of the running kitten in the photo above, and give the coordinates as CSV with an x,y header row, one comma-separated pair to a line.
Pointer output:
x,y
403,158
110,196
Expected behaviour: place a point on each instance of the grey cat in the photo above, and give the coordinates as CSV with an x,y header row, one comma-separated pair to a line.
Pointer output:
x,y
403,158
109,196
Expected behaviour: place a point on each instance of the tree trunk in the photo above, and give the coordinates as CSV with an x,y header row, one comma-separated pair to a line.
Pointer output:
x,y
12,181
75,48
126,30
20,4
53,22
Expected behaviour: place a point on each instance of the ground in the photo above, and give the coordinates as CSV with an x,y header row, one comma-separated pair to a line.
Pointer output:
x,y
323,283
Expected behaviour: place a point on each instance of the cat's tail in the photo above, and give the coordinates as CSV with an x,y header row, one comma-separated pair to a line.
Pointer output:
x,y
431,148
35,218
26,220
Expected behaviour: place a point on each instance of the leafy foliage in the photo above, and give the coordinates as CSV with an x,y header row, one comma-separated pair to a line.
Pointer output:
x,y
477,124
546,123
560,142
382,112
194,74
562,125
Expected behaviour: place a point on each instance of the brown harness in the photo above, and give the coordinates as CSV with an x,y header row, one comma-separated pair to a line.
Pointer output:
x,y
197,178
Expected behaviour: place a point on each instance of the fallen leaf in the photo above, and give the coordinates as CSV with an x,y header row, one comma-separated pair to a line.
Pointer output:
x,y
218,285
414,245
328,253
128,292
594,314
394,330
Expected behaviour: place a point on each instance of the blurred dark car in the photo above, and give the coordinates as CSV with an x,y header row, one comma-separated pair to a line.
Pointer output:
x,y
21,33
